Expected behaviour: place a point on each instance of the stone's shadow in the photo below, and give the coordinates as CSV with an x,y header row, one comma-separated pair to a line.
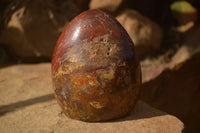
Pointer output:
x,y
12,107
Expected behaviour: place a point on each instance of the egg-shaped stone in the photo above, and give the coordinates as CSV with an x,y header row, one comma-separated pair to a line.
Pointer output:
x,y
95,71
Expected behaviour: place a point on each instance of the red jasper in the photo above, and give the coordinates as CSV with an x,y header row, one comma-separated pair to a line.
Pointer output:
x,y
95,70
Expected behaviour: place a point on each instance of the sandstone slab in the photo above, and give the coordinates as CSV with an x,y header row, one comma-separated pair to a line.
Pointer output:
x,y
27,104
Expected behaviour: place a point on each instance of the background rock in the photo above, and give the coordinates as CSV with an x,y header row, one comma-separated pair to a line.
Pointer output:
x,y
106,5
28,105
31,28
176,87
146,35
156,10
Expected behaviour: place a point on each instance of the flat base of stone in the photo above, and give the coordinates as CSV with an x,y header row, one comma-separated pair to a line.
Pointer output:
x,y
27,104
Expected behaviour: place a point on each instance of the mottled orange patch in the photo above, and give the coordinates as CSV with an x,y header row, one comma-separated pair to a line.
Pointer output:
x,y
82,80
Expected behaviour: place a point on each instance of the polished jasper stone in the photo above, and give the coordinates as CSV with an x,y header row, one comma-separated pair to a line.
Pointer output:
x,y
95,70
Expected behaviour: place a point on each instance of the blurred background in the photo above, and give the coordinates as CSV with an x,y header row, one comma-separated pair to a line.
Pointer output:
x,y
166,34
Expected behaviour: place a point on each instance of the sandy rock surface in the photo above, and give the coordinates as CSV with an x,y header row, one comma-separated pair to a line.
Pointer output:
x,y
27,104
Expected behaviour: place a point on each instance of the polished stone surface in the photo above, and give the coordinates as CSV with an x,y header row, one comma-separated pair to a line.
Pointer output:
x,y
95,70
